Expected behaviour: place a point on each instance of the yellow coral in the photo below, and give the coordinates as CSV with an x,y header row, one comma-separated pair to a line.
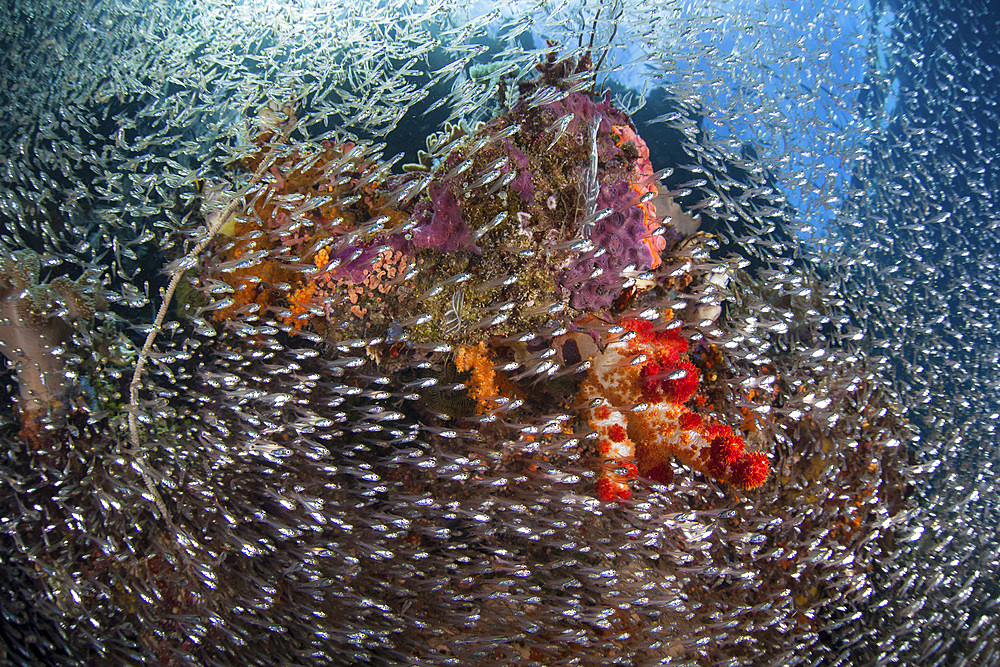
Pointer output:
x,y
322,258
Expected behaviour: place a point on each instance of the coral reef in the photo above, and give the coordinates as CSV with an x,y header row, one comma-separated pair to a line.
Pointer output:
x,y
35,322
514,219
374,426
518,185
534,222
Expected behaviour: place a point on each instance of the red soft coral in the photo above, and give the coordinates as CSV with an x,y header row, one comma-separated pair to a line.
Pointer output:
x,y
665,428
750,471
724,450
675,383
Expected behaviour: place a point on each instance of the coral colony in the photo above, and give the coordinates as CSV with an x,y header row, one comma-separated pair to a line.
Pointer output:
x,y
662,383
520,308
538,221
532,397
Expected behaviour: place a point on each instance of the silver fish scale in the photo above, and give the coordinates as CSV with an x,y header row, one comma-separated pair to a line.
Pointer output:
x,y
332,496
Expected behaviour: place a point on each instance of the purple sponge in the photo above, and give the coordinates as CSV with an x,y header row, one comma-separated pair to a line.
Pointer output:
x,y
440,224
621,236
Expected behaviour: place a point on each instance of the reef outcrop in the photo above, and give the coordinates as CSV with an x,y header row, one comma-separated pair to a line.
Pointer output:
x,y
35,325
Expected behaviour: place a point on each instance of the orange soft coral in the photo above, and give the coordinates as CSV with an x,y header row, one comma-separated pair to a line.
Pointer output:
x,y
269,253
475,360
486,385
300,305
642,441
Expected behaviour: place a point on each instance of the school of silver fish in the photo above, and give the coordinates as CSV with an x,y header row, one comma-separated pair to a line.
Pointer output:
x,y
193,476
